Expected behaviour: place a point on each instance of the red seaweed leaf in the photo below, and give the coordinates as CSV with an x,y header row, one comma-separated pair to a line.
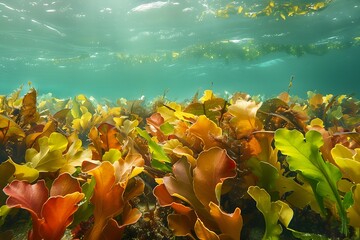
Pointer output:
x,y
154,123
50,215
64,184
30,197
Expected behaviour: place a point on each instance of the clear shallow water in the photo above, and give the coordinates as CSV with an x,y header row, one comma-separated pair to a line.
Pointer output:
x,y
130,48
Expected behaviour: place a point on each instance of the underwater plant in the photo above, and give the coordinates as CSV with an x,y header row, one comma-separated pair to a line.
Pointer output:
x,y
211,168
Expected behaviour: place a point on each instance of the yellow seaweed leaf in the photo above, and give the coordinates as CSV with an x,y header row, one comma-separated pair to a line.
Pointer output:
x,y
283,16
317,122
208,95
24,172
47,159
354,210
347,161
173,112
74,157
244,116
57,141
272,212
9,129
112,155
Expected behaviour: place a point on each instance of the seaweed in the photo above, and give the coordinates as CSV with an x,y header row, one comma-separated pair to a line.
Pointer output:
x,y
211,168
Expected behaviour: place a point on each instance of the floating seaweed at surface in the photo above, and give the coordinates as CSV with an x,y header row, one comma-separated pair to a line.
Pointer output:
x,y
212,168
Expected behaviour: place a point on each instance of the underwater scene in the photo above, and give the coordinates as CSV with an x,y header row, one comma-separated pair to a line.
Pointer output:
x,y
188,119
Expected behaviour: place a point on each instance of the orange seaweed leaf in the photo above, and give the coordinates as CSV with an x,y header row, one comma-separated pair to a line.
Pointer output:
x,y
128,167
181,186
213,167
40,131
107,198
58,214
184,220
103,138
108,135
229,224
207,131
181,224
114,231
154,123
203,233
64,184
28,110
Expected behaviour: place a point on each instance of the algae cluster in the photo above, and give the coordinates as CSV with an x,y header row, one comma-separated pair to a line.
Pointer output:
x,y
211,167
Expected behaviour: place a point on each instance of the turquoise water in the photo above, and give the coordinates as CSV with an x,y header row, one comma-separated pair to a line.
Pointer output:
x,y
129,48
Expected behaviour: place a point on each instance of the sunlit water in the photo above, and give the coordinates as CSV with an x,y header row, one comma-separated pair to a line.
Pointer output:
x,y
129,48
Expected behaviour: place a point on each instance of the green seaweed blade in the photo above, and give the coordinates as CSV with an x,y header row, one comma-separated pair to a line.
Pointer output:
x,y
303,156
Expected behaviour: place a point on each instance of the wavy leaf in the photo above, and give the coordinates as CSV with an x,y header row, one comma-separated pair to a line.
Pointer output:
x,y
212,168
9,129
230,224
58,214
52,215
207,131
112,155
181,186
244,117
30,197
41,131
24,172
203,233
28,109
212,107
49,158
272,212
154,123
348,161
107,198
354,210
6,172
156,150
181,223
74,157
305,158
